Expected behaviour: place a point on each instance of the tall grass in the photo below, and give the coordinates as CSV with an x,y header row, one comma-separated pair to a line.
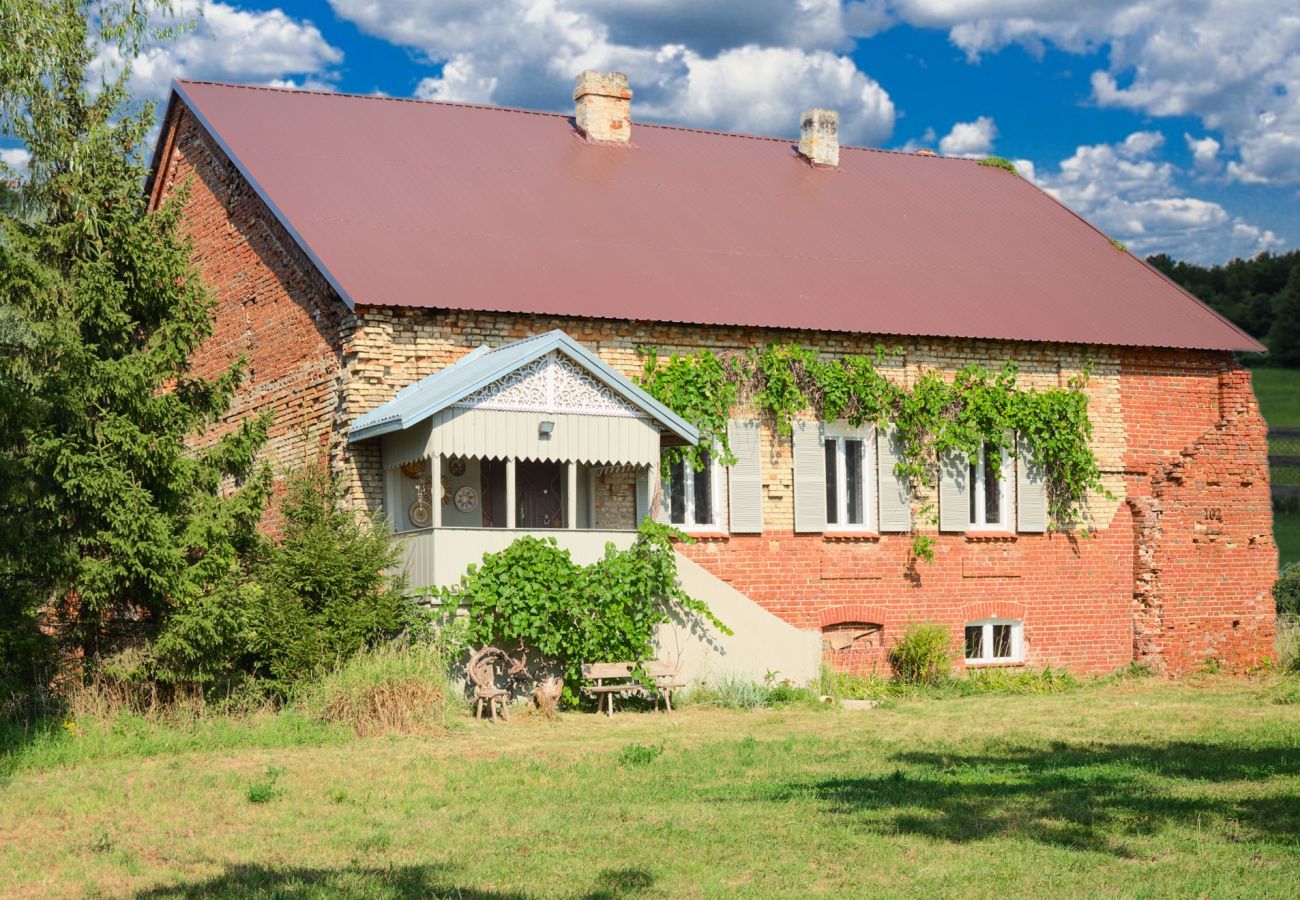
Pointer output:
x,y
840,686
1288,643
397,689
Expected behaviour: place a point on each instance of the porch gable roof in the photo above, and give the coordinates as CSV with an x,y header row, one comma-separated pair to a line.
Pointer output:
x,y
483,366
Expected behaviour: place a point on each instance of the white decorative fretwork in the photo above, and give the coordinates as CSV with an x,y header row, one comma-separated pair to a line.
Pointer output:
x,y
551,384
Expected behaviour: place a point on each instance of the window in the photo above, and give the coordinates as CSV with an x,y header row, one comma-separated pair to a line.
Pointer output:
x,y
989,501
692,493
994,640
849,486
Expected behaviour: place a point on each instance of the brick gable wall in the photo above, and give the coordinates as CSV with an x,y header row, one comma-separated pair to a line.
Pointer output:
x,y
1179,568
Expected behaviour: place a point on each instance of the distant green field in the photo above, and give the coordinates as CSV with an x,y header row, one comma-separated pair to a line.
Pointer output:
x,y
1278,391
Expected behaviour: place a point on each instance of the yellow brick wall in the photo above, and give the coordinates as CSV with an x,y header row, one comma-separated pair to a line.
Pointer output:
x,y
391,348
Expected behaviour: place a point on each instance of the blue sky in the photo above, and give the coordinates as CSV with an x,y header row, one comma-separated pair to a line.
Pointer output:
x,y
1171,124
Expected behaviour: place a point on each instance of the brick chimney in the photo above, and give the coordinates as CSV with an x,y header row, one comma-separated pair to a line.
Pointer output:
x,y
819,136
602,106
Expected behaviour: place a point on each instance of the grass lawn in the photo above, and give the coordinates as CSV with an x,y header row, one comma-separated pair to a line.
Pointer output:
x,y
1278,392
1137,787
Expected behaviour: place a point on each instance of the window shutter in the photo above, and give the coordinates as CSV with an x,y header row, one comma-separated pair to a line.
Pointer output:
x,y
809,477
895,493
1031,492
954,493
664,509
745,478
644,478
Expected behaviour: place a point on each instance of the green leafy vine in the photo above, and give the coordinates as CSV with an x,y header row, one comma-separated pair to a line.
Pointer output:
x,y
932,419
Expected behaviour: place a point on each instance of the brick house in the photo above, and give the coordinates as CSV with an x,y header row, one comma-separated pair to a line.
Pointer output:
x,y
449,300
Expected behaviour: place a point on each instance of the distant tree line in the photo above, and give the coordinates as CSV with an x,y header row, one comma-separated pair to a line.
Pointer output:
x,y
1261,295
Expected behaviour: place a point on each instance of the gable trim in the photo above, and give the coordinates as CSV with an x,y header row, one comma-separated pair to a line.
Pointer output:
x,y
380,421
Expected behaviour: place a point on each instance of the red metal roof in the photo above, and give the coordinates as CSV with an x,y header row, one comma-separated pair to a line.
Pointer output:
x,y
411,203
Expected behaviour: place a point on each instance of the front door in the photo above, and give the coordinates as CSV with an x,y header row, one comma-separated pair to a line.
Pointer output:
x,y
538,487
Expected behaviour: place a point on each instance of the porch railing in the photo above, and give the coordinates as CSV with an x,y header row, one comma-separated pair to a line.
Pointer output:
x,y
437,557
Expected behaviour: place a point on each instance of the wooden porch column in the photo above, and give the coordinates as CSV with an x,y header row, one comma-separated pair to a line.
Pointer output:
x,y
435,501
571,495
510,492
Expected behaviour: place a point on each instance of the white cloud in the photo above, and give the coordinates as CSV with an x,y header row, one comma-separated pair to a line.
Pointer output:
x,y
750,67
1130,194
231,44
969,138
16,158
1205,152
1233,64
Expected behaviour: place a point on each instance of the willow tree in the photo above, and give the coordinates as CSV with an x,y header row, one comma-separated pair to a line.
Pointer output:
x,y
108,521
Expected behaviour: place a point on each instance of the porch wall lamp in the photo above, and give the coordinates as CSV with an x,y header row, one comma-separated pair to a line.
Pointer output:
x,y
544,430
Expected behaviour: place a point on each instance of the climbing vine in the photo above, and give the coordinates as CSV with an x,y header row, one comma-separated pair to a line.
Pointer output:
x,y
932,419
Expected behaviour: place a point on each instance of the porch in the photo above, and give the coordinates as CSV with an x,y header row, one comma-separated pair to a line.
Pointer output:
x,y
538,437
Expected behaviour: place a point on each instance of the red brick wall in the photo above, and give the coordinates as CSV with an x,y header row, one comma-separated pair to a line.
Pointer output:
x,y
1205,560
272,307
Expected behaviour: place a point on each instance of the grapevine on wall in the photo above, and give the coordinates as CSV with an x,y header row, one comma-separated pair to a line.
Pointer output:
x,y
932,419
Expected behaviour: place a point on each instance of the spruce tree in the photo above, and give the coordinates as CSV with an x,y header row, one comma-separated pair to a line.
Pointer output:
x,y
108,517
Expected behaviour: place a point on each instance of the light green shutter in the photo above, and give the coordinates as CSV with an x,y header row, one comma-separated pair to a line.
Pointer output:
x,y
644,474
954,493
809,477
745,478
895,493
1031,492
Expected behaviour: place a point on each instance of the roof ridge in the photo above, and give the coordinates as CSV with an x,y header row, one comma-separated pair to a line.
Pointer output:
x,y
667,126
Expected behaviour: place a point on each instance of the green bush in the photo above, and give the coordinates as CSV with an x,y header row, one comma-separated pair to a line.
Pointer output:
x,y
924,654
533,593
1286,591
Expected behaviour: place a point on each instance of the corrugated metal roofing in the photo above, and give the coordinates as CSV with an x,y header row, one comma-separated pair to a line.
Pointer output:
x,y
412,203
481,366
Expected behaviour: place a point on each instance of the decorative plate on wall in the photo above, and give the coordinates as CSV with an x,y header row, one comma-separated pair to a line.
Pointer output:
x,y
421,514
467,499
414,469
456,466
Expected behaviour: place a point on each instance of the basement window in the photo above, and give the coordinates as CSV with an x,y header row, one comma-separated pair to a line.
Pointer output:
x,y
994,641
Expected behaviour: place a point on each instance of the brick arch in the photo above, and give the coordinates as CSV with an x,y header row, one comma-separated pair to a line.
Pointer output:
x,y
853,612
993,609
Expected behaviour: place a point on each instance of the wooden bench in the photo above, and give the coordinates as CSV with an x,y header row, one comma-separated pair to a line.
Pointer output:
x,y
616,678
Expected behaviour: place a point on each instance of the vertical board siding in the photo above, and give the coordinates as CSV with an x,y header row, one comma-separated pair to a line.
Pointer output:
x,y
745,478
1031,492
954,493
809,477
895,492
500,434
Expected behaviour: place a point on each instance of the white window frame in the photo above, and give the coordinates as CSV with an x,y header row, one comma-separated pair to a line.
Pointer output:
x,y
979,492
840,432
688,485
1017,642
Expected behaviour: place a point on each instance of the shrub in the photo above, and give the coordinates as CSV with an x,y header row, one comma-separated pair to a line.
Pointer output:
x,y
924,654
396,689
533,593
1286,591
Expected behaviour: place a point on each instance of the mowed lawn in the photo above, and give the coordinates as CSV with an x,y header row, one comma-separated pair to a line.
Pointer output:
x,y
1278,391
1135,788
